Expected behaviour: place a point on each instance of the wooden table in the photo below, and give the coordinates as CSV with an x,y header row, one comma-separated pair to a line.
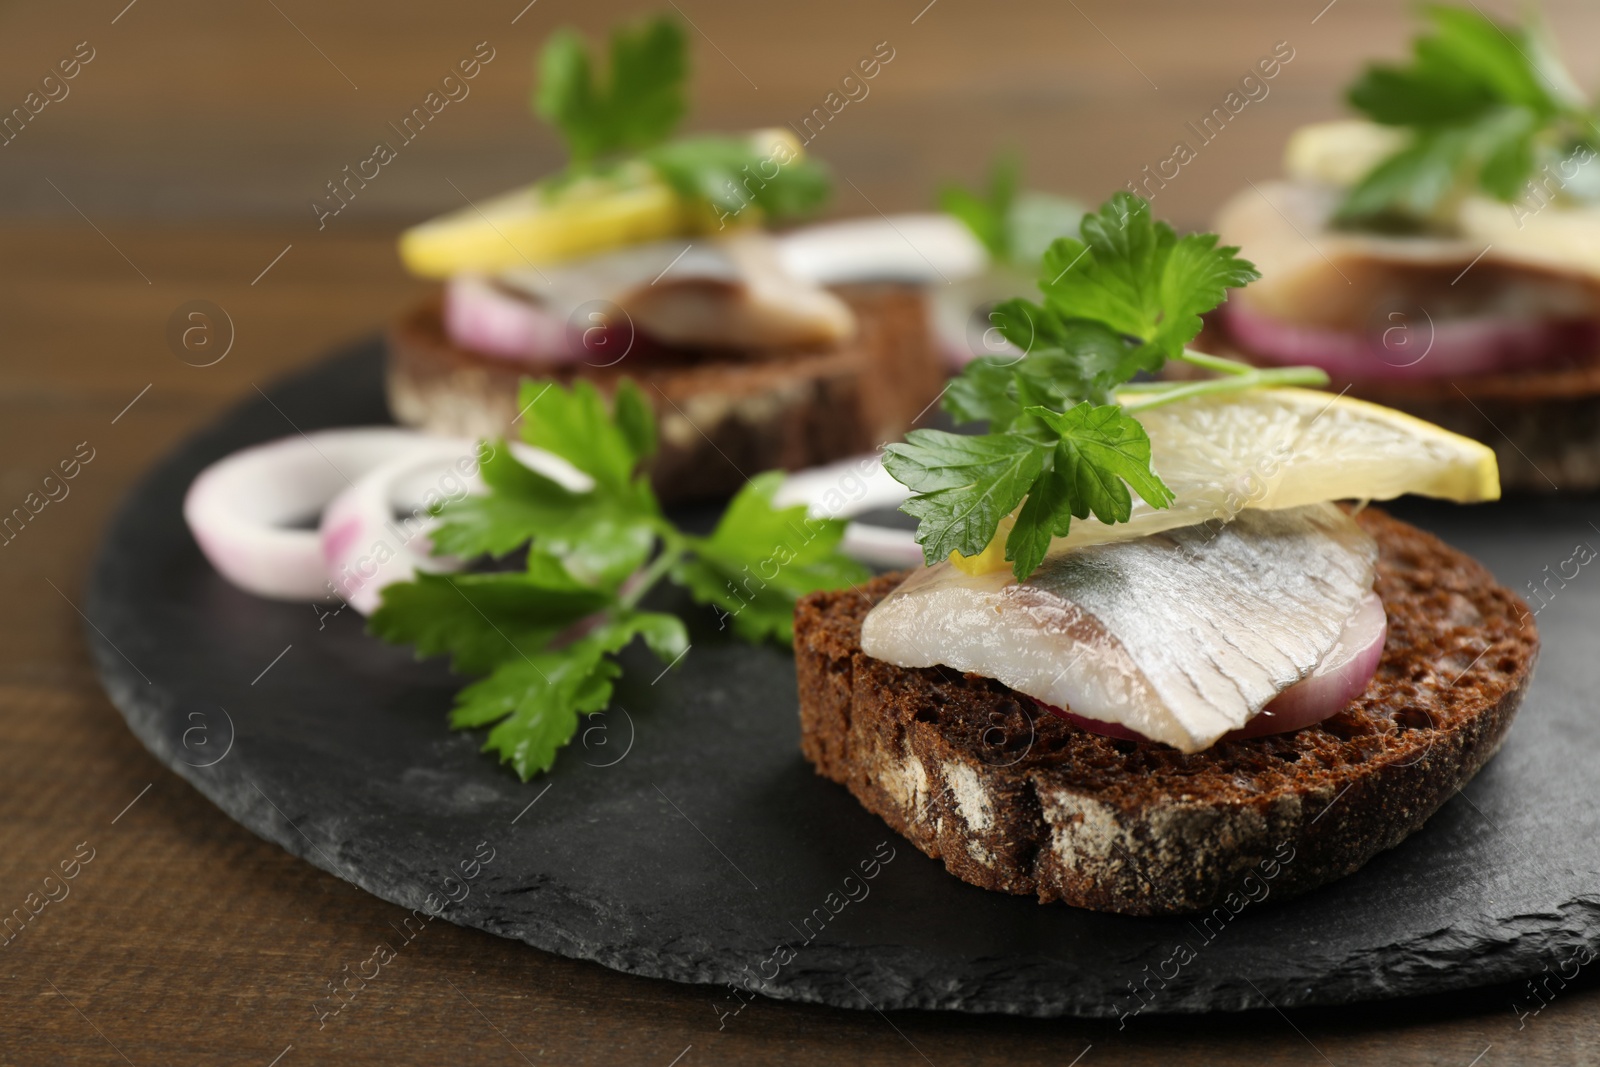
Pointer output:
x,y
182,164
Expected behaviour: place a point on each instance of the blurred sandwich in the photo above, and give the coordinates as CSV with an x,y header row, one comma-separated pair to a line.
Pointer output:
x,y
1442,254
647,258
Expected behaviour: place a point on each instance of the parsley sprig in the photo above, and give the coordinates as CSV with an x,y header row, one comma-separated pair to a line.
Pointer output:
x,y
544,635
1121,299
1486,105
1014,227
625,118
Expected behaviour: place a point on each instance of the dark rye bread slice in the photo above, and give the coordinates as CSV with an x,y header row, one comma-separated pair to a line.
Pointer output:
x,y
723,417
1544,425
1016,799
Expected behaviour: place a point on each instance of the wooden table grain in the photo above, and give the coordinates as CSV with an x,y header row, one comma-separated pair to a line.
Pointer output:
x,y
181,162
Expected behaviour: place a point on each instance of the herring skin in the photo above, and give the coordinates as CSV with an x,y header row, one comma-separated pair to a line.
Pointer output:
x,y
1182,636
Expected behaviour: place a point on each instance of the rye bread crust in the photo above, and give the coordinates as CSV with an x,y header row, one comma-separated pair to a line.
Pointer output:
x,y
722,418
1015,799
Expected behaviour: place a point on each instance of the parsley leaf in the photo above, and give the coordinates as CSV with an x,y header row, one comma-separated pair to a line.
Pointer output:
x,y
1014,227
576,425
1125,298
1487,105
1102,451
1137,277
479,620
1063,466
987,215
603,536
761,558
731,172
600,538
636,110
964,485
639,106
523,504
982,392
1122,298
544,637
536,701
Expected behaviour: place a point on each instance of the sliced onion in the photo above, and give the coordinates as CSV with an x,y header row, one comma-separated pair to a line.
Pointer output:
x,y
1344,674
375,533
848,488
881,546
842,489
250,512
1406,349
962,314
480,316
931,249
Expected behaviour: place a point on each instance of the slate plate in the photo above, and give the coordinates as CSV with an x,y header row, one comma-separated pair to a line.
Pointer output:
x,y
685,837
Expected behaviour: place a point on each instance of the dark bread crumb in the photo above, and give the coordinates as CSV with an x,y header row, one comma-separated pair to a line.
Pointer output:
x,y
723,417
1015,799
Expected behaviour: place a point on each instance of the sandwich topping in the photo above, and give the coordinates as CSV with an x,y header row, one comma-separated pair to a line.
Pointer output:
x,y
731,293
535,272
1154,557
1452,231
1181,636
1274,448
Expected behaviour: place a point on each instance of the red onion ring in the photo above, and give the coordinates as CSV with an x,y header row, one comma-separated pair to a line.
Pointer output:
x,y
365,542
479,316
1405,350
1343,675
851,487
243,509
365,546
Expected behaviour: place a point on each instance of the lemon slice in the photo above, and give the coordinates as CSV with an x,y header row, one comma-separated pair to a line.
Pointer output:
x,y
534,225
1557,237
530,226
1340,152
1279,448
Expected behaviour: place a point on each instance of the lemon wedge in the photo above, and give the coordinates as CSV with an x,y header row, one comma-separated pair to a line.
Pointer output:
x,y
536,225
1279,448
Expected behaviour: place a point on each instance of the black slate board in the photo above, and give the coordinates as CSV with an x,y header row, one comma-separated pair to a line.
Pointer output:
x,y
687,839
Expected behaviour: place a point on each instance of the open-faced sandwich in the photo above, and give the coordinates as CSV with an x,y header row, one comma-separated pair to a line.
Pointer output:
x,y
647,257
1442,254
1151,651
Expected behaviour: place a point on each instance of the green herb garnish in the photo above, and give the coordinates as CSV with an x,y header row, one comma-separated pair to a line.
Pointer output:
x,y
638,106
627,116
728,173
1486,107
1014,227
545,635
1062,438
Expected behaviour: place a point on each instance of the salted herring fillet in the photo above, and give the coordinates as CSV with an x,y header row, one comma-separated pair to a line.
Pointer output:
x,y
1181,636
729,292
1315,274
